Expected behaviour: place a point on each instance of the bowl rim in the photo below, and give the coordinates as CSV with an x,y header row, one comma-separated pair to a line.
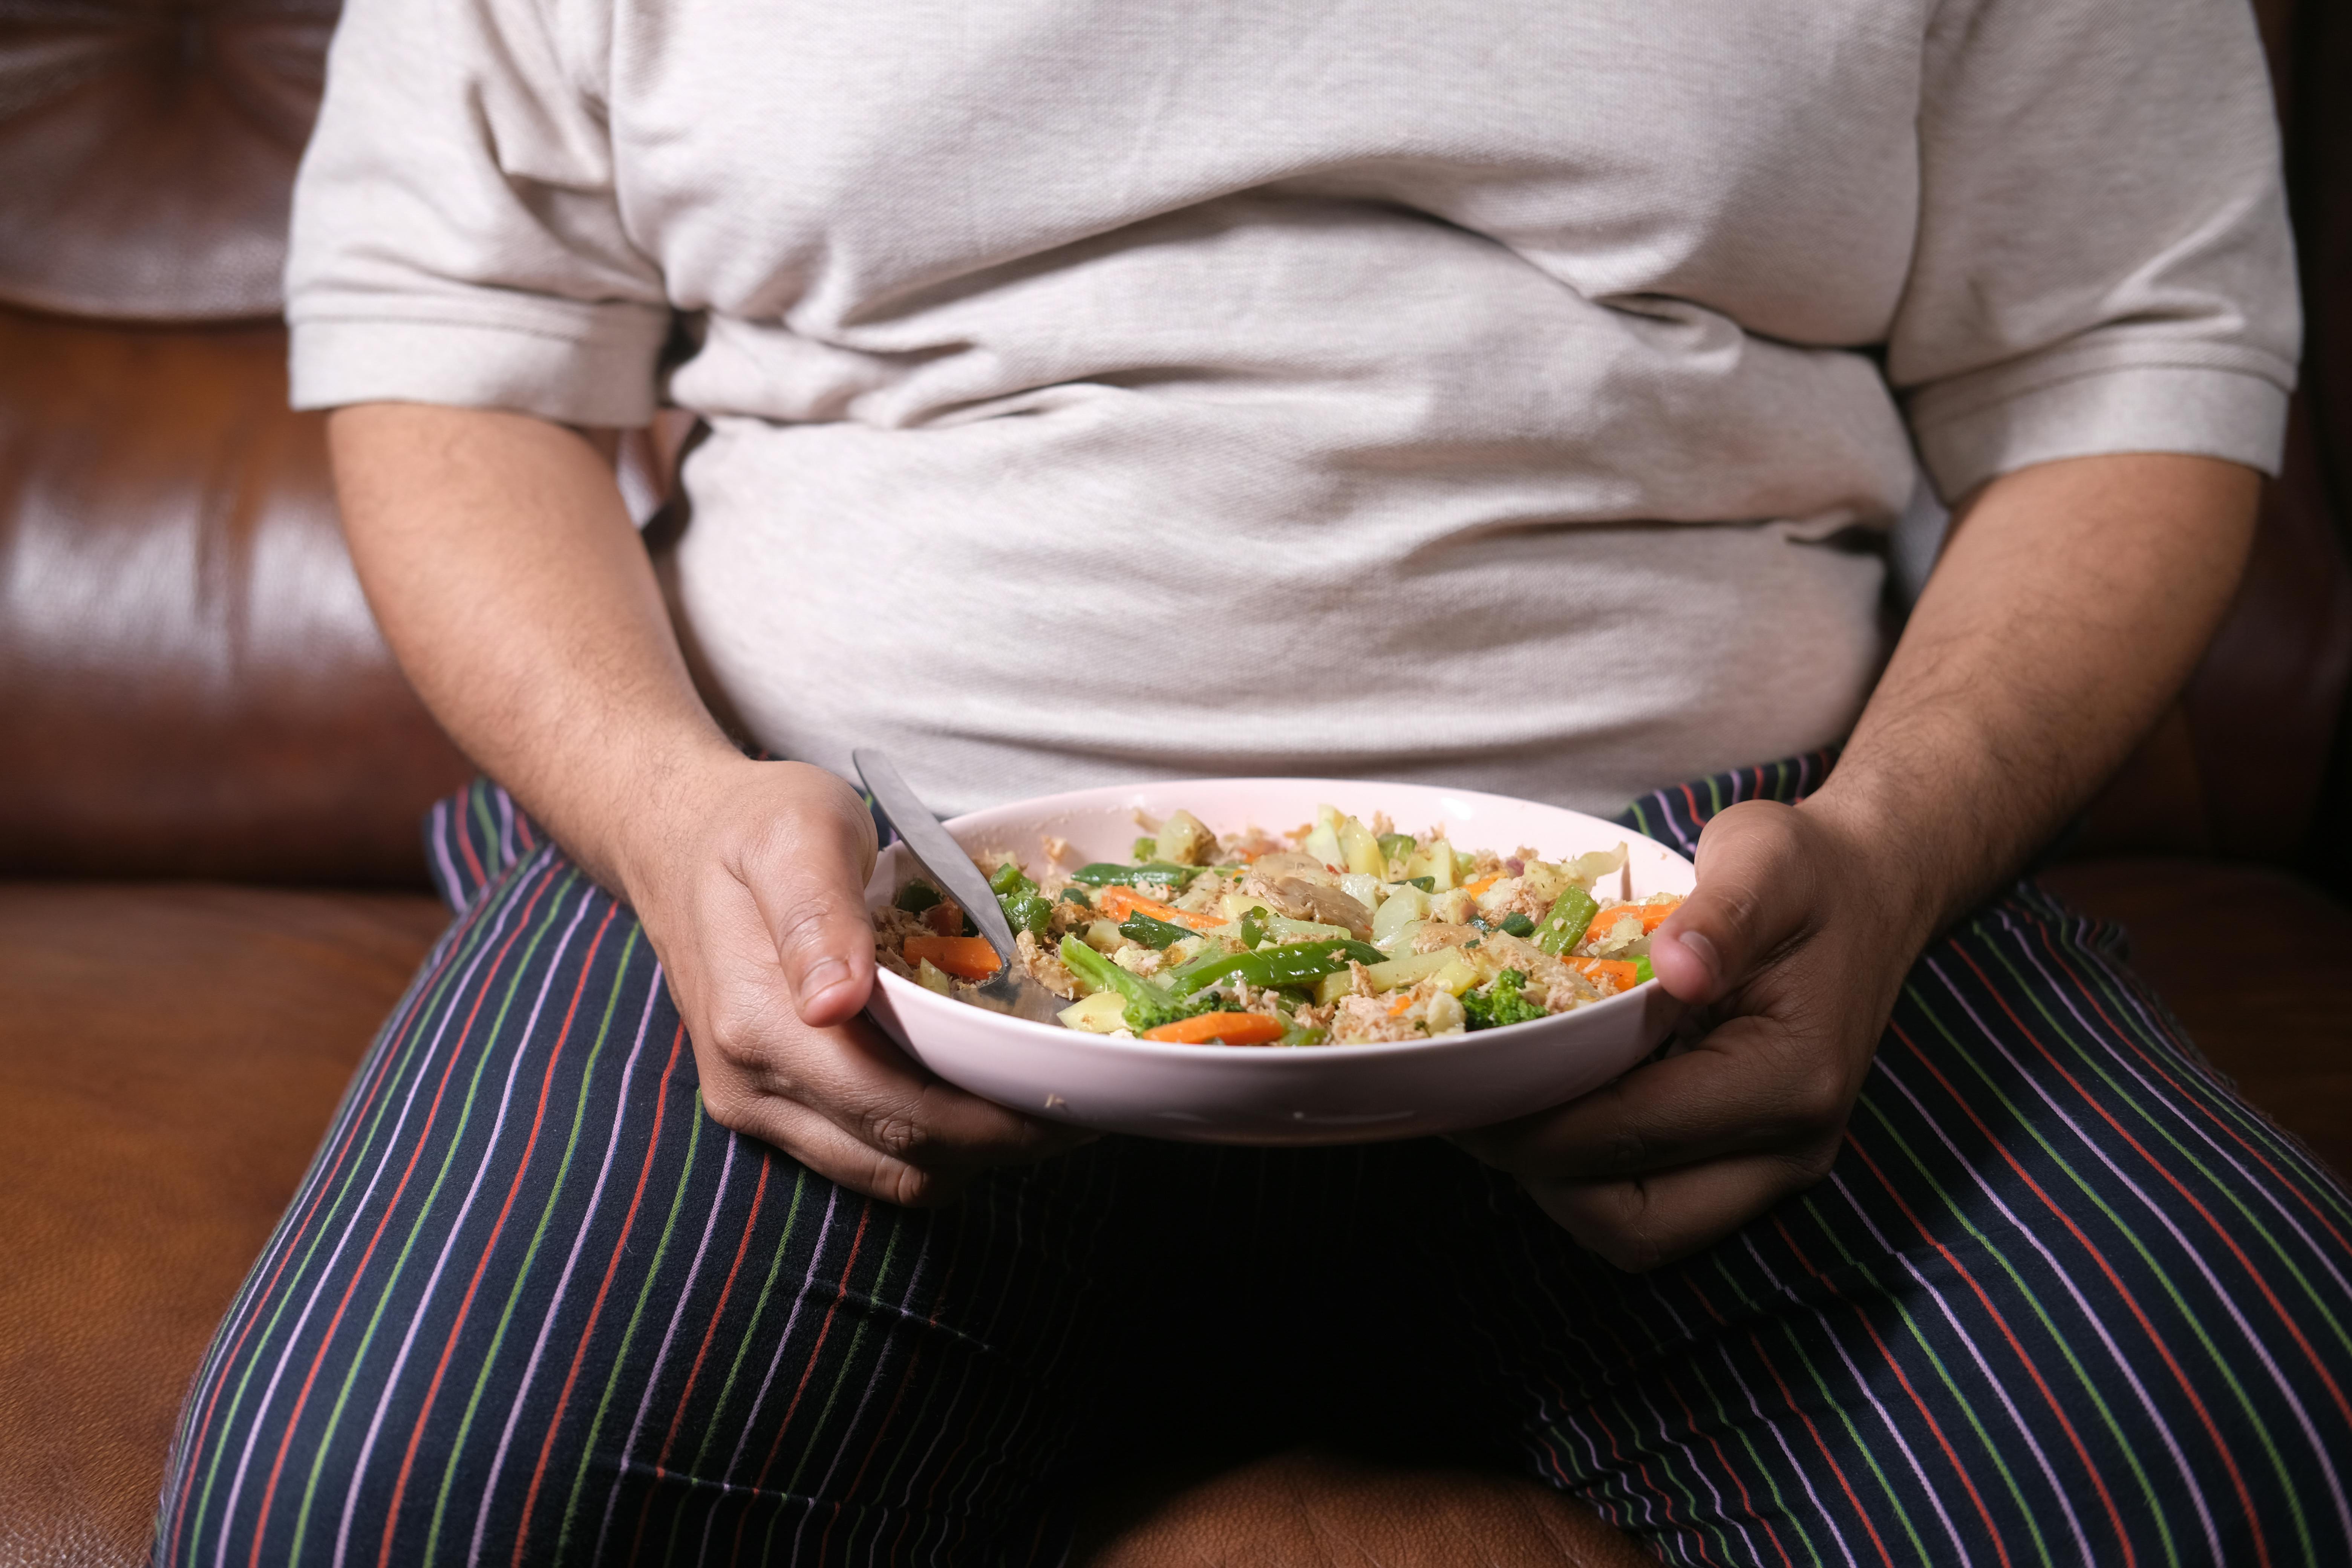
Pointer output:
x,y
902,989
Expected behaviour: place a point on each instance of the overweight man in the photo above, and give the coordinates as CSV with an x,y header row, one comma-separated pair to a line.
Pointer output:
x,y
1512,396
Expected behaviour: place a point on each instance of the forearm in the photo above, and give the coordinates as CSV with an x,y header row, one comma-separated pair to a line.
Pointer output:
x,y
508,577
505,573
2071,602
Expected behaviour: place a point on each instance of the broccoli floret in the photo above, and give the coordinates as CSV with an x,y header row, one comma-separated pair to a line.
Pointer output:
x,y
1500,1002
1149,1005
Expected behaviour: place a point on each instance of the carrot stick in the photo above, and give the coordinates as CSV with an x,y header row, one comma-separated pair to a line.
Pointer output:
x,y
965,957
1652,917
1616,969
1482,884
1219,1028
1118,902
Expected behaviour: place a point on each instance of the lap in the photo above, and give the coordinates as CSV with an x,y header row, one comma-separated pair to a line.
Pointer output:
x,y
531,1302
2065,1297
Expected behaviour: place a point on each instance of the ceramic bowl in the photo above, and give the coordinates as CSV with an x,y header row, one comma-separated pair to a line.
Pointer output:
x,y
1329,1094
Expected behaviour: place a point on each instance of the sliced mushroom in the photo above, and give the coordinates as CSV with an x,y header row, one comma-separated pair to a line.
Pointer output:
x,y
1272,868
1305,900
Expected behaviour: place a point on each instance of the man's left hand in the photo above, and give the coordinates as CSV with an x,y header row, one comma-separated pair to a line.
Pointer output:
x,y
1791,950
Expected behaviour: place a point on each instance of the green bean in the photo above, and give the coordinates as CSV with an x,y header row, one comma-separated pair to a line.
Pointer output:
x,y
1107,874
1288,964
1104,975
1564,926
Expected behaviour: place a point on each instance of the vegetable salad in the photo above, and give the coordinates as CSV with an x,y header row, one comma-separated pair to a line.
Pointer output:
x,y
1339,932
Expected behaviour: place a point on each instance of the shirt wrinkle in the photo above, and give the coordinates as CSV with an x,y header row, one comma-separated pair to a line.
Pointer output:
x,y
1356,351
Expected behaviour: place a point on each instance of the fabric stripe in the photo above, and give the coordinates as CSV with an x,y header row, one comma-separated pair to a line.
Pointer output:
x,y
441,1262
677,1319
552,883
473,1287
392,1146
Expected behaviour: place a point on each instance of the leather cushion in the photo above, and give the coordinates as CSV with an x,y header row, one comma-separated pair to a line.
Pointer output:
x,y
2266,700
147,151
190,681
168,1060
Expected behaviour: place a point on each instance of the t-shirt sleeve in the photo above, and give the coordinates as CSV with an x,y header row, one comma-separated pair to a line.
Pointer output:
x,y
2103,261
457,236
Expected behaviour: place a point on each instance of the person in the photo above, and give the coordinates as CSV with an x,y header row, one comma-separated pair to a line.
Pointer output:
x,y
1518,398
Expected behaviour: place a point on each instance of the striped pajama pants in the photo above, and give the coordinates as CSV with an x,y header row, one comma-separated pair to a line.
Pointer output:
x,y
2063,1299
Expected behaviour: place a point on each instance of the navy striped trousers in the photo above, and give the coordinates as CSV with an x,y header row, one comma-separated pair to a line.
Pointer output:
x,y
2063,1299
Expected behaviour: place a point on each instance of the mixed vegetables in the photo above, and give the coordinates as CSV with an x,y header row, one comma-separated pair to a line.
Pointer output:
x,y
1337,932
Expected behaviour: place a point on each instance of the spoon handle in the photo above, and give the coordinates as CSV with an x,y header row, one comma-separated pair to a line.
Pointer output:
x,y
935,850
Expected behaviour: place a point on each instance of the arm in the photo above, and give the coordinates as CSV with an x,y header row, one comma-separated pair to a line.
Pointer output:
x,y
2071,602
496,552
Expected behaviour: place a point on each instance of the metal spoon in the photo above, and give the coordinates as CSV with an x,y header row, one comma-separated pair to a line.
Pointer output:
x,y
1009,990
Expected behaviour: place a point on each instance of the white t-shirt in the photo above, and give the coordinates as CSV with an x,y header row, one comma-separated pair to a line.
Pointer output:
x,y
1515,395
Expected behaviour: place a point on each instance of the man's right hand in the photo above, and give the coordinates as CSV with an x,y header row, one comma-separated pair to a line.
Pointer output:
x,y
506,572
751,884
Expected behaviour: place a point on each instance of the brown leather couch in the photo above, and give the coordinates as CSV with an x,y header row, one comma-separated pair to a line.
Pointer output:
x,y
210,777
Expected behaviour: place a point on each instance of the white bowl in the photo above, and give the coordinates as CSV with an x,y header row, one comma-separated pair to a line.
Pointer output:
x,y
1327,1094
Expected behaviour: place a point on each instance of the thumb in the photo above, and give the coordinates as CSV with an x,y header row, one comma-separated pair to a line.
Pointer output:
x,y
1751,897
812,897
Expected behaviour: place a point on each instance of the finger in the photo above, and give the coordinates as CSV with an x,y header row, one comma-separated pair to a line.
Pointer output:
x,y
878,1095
752,1041
1750,1085
853,1076
1753,897
899,1129
824,1148
1642,1222
812,898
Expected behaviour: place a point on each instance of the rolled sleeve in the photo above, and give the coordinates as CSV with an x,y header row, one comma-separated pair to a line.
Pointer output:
x,y
458,237
1975,427
600,377
2104,263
